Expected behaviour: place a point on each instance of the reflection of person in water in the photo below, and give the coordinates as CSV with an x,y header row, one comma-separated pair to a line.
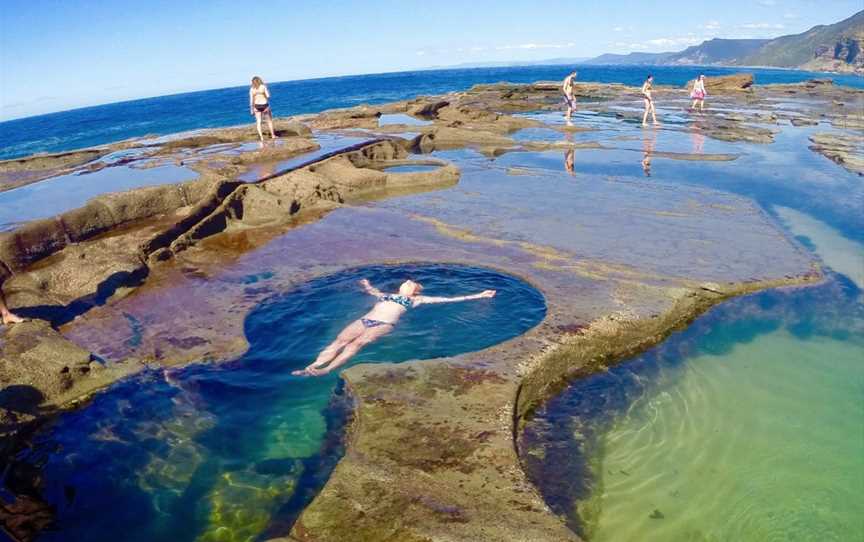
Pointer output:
x,y
649,140
570,160
698,141
376,323
570,153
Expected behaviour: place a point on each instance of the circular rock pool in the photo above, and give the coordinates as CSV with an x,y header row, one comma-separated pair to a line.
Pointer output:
x,y
234,451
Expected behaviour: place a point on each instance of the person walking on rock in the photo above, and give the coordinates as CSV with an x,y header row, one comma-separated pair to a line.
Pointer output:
x,y
259,106
698,94
7,316
567,89
649,101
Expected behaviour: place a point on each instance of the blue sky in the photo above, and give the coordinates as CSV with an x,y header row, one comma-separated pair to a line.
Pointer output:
x,y
62,54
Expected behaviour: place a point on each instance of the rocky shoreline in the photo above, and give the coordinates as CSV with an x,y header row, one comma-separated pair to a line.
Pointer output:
x,y
448,467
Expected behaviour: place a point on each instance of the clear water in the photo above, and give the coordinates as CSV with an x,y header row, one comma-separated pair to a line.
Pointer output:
x,y
399,118
749,425
224,107
420,168
234,451
64,192
328,144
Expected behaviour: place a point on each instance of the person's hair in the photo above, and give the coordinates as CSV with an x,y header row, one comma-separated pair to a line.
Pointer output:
x,y
650,76
257,82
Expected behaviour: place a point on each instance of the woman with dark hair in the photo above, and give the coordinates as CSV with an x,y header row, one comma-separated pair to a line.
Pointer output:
x,y
259,106
376,323
649,101
698,94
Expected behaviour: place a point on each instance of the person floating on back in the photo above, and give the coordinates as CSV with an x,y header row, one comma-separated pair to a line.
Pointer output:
x,y
7,316
567,89
259,106
649,101
698,94
376,323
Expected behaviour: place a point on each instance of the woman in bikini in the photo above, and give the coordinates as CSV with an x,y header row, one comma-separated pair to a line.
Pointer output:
x,y
649,101
259,105
376,323
698,94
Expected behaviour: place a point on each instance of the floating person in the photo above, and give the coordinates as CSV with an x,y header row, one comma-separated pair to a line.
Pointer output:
x,y
7,316
698,94
376,323
259,106
649,101
569,98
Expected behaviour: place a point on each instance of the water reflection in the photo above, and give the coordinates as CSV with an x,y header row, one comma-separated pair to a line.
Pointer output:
x,y
649,142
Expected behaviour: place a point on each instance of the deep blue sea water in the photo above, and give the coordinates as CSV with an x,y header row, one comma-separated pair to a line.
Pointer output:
x,y
162,115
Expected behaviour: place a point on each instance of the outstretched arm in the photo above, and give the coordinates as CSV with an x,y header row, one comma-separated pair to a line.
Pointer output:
x,y
369,289
429,299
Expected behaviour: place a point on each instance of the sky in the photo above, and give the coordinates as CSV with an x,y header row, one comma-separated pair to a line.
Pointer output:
x,y
62,54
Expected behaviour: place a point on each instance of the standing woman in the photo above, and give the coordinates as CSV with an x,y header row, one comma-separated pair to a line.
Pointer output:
x,y
649,101
567,90
259,105
698,94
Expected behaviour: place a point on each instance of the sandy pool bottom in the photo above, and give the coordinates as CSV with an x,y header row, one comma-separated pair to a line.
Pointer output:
x,y
763,442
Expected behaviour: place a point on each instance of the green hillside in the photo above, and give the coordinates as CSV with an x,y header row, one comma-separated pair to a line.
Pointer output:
x,y
796,50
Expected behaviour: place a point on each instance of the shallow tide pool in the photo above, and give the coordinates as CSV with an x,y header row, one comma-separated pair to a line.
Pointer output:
x,y
749,425
234,451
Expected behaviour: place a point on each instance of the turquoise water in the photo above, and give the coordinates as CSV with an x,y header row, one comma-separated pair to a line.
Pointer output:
x,y
749,425
234,451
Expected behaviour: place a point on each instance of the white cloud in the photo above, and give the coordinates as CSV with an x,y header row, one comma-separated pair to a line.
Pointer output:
x,y
768,3
618,29
421,53
790,15
710,25
668,42
763,26
536,46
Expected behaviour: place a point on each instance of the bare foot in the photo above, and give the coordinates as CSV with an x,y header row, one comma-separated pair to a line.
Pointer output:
x,y
10,318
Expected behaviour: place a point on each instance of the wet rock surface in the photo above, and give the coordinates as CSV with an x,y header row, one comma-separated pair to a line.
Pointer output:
x,y
165,275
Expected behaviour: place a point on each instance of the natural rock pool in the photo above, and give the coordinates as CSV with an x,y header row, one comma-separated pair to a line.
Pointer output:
x,y
746,426
223,452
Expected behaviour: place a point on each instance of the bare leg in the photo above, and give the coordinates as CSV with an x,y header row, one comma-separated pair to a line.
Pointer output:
x,y
270,124
645,115
353,331
371,335
7,316
258,125
654,113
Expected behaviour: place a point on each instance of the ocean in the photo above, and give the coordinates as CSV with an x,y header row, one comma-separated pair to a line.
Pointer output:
x,y
103,124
